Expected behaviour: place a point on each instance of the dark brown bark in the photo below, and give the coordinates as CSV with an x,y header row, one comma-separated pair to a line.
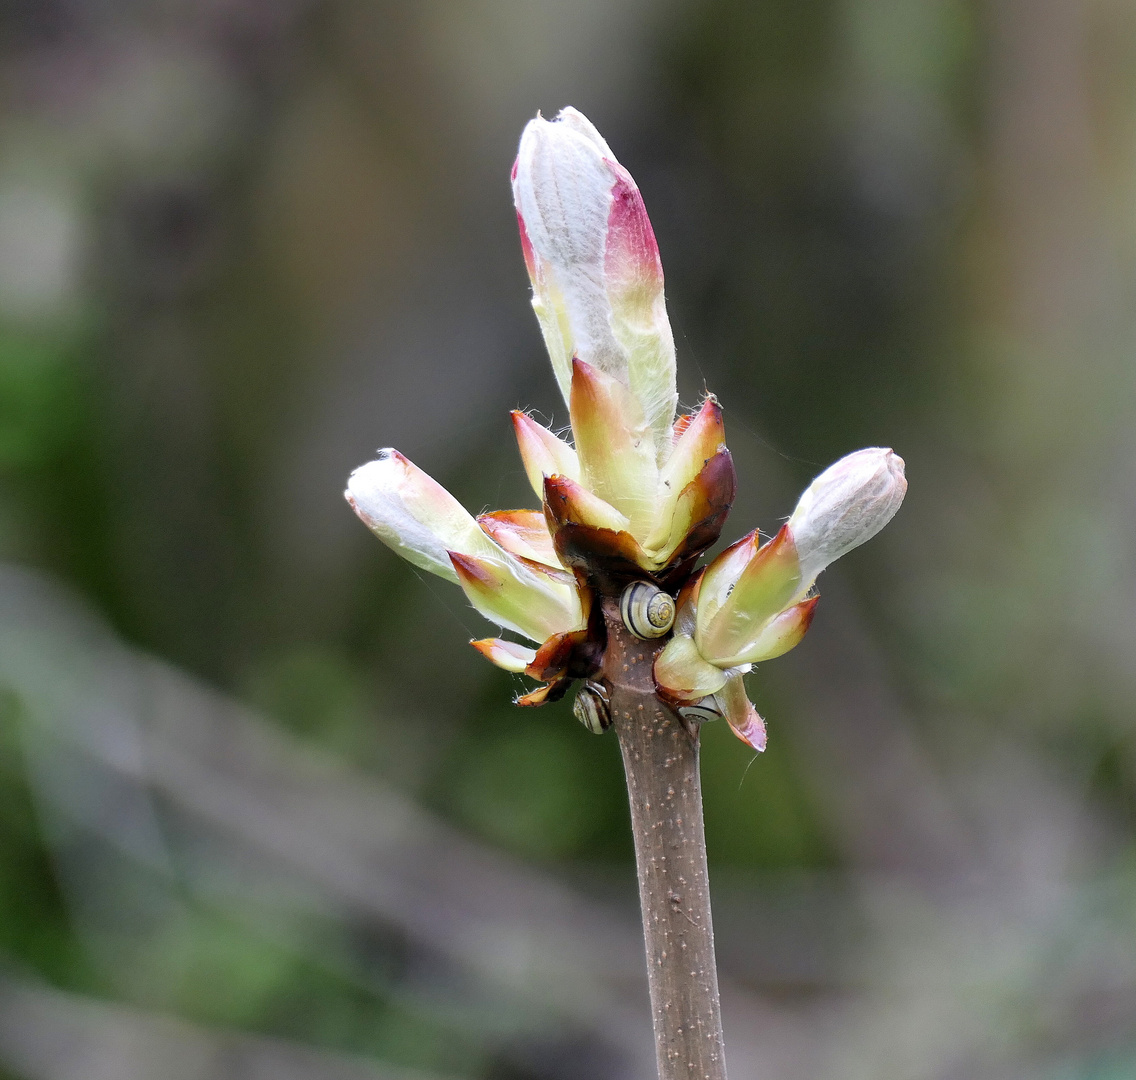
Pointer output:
x,y
660,758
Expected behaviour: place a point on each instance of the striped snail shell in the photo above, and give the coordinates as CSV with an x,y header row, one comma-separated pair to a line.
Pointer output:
x,y
647,611
702,711
591,708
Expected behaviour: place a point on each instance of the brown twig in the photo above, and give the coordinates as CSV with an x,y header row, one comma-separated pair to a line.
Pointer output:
x,y
660,759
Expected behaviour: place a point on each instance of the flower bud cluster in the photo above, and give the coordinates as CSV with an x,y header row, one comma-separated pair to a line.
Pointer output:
x,y
753,602
637,494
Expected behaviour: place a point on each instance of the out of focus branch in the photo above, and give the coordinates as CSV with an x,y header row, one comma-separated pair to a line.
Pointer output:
x,y
49,1035
886,804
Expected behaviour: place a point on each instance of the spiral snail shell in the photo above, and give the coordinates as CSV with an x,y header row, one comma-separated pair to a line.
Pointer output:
x,y
647,611
702,711
591,708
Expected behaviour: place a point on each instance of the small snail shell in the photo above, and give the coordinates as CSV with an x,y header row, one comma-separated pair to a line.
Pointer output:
x,y
701,711
591,708
647,611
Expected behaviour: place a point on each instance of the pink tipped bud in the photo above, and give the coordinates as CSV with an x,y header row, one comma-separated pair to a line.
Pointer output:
x,y
846,505
594,264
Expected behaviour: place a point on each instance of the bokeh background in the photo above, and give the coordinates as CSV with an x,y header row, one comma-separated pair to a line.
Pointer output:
x,y
263,813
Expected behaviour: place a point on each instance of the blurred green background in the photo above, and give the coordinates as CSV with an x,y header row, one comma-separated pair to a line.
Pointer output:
x,y
264,813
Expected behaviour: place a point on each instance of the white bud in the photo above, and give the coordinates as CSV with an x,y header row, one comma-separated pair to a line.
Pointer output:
x,y
418,518
846,505
413,514
562,188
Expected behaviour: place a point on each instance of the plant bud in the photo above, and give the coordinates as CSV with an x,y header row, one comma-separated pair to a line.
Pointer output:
x,y
414,515
846,505
594,264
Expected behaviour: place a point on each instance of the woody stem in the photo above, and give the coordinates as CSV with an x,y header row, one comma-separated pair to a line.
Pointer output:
x,y
660,759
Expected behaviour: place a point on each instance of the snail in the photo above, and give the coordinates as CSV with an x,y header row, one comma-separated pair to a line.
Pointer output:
x,y
702,711
591,708
647,611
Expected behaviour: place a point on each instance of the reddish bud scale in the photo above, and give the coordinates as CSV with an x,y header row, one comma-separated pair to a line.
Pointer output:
x,y
608,559
552,657
505,654
526,243
808,610
522,532
472,570
631,252
566,502
705,502
707,422
681,424
750,728
553,691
